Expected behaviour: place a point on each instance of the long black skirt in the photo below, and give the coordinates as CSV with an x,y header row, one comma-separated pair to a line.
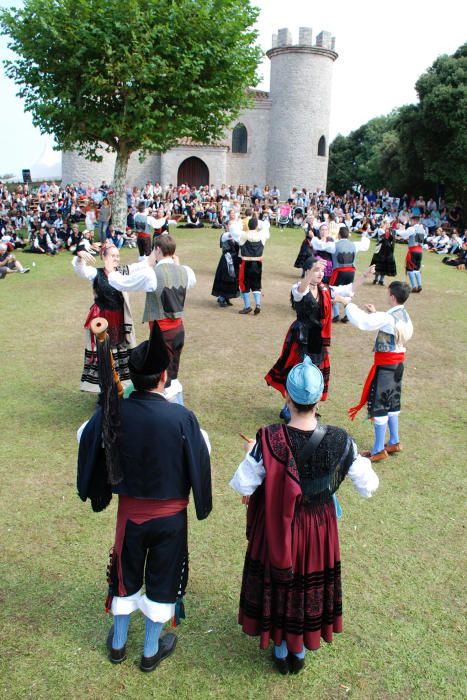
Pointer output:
x,y
385,390
224,284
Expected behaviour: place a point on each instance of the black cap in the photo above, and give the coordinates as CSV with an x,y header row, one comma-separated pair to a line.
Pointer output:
x,y
151,356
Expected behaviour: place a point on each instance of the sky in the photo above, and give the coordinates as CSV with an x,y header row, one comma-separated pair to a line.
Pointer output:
x,y
382,52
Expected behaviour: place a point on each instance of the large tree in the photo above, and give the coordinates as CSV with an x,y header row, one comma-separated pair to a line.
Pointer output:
x,y
131,75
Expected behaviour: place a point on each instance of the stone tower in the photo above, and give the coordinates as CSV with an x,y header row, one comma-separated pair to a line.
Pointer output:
x,y
300,95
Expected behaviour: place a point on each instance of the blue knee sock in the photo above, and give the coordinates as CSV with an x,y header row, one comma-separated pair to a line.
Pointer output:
x,y
393,422
246,299
152,632
281,651
121,624
299,654
335,310
413,281
418,277
380,433
257,296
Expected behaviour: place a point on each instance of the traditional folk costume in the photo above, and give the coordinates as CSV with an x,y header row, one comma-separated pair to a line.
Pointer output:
x,y
115,308
383,257
225,286
143,227
383,385
415,236
166,306
309,334
252,244
162,456
343,253
291,588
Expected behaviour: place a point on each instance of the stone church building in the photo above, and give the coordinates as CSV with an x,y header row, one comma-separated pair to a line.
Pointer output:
x,y
281,140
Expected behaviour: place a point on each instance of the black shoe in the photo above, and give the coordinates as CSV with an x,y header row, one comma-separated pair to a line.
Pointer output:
x,y
257,310
374,281
222,304
381,283
295,664
116,656
167,645
245,311
344,319
228,302
335,319
281,664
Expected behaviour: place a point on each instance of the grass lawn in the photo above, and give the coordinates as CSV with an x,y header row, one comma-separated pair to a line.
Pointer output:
x,y
402,551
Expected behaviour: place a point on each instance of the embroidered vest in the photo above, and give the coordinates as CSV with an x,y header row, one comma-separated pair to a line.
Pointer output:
x,y
169,298
345,254
141,224
386,342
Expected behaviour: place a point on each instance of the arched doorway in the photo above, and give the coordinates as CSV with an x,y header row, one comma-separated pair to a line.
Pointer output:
x,y
193,171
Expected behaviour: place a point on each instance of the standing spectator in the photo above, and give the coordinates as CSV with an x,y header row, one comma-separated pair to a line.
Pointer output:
x,y
105,214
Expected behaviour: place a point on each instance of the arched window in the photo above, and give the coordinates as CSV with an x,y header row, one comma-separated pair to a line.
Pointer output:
x,y
239,139
322,146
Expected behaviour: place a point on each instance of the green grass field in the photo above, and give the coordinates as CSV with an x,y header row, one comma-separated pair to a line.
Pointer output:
x,y
403,551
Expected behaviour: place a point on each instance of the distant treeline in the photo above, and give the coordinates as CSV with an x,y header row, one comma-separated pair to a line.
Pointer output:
x,y
419,148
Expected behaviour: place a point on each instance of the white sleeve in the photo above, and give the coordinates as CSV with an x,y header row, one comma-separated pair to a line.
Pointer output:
x,y
86,272
249,475
142,278
328,246
191,277
298,296
364,478
362,245
344,290
79,432
368,322
405,233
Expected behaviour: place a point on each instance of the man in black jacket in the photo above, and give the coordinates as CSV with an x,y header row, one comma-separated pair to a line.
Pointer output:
x,y
162,456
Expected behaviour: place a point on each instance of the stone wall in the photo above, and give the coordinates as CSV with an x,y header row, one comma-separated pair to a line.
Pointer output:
x,y
75,169
250,168
300,96
213,156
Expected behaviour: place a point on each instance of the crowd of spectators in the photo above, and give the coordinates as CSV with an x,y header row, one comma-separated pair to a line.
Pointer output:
x,y
48,218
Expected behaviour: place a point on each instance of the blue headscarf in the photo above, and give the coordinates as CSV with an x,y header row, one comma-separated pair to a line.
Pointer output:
x,y
305,383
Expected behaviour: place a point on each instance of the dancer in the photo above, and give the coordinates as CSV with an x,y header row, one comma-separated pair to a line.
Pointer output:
x,y
343,253
252,244
383,386
310,333
162,456
225,286
111,305
383,257
291,589
415,236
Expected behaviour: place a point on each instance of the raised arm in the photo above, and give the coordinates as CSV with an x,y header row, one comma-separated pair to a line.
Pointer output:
x,y
86,272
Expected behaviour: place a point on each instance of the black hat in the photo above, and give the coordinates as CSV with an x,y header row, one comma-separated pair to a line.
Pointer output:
x,y
151,356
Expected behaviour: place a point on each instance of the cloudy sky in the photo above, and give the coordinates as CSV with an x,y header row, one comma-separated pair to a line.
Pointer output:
x,y
382,50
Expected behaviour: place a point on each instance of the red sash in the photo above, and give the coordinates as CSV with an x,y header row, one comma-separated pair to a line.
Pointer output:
x,y
335,273
326,315
408,258
380,358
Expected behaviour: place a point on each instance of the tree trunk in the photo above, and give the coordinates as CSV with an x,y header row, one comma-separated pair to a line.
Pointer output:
x,y
119,206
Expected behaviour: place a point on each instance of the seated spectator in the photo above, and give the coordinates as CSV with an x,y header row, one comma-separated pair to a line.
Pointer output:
x,y
42,244
114,236
9,263
460,261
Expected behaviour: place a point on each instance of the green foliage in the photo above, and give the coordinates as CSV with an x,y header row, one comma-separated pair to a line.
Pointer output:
x,y
133,74
417,146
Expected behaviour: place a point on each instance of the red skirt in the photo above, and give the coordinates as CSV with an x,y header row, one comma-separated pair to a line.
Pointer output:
x,y
291,356
301,606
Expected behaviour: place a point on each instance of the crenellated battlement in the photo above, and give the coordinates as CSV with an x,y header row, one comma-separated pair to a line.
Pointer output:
x,y
283,39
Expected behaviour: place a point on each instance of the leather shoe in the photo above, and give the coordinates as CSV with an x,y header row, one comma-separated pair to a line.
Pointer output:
x,y
257,310
377,457
335,319
282,665
344,319
392,449
167,645
116,656
295,664
245,311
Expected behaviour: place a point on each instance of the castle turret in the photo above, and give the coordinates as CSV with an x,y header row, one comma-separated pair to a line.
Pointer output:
x,y
300,95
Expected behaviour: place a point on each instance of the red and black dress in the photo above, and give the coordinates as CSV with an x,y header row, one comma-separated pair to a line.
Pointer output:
x,y
309,335
291,587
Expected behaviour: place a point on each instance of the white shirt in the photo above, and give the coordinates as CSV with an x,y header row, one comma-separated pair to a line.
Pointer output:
x,y
379,321
345,290
330,246
250,474
141,277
